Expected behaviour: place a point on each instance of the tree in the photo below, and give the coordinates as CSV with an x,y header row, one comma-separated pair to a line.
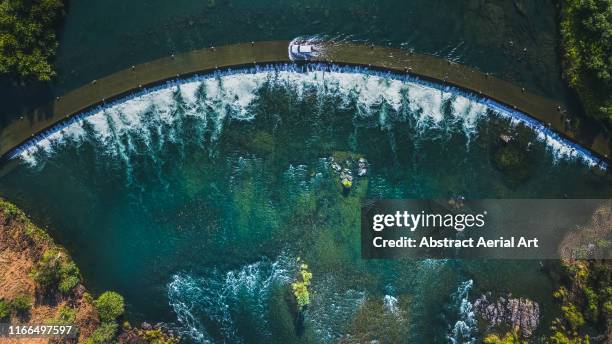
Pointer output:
x,y
27,37
56,268
110,306
104,334
586,33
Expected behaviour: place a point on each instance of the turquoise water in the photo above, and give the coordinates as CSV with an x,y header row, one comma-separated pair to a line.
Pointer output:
x,y
195,202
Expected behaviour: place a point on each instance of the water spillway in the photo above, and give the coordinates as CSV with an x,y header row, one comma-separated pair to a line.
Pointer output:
x,y
543,115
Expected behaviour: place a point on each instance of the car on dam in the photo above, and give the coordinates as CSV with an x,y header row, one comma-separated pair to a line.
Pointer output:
x,y
301,51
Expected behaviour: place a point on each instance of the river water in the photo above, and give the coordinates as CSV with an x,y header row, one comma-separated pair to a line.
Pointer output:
x,y
198,201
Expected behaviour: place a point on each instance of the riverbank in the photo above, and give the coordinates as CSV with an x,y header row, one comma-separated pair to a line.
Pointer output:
x,y
23,246
40,284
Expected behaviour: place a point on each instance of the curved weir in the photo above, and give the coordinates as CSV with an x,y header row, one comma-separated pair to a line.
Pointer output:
x,y
544,116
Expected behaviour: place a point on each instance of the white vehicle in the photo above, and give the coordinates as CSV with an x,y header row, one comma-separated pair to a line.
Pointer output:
x,y
301,51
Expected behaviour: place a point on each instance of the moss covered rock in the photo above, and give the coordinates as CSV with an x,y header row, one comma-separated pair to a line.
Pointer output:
x,y
514,161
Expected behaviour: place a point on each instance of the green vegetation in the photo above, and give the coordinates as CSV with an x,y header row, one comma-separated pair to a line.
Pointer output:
x,y
65,316
300,287
104,334
21,304
35,233
157,336
585,302
110,306
574,318
56,268
508,338
27,37
586,32
5,309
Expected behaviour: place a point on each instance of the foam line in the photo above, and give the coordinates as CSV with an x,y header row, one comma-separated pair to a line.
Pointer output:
x,y
561,147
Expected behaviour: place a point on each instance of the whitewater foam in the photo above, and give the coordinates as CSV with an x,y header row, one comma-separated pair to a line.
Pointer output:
x,y
212,98
463,330
216,299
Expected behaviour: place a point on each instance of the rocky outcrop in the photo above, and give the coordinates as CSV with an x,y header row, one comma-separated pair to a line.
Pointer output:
x,y
519,314
147,333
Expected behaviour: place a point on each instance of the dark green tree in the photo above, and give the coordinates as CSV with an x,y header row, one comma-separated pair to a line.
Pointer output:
x,y
28,40
586,32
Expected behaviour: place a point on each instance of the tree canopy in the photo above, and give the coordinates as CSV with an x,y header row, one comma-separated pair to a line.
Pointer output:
x,y
28,40
586,32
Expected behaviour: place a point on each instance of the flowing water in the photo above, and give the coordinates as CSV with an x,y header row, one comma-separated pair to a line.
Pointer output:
x,y
199,200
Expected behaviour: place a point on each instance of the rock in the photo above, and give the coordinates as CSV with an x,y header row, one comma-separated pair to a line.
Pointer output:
x,y
513,160
362,167
336,167
506,138
520,314
345,164
346,178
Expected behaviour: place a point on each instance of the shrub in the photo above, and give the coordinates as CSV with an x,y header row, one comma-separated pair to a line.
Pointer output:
x,y
110,306
55,268
300,287
104,334
560,294
21,304
65,316
509,338
573,316
5,309
157,336
592,306
68,276
46,271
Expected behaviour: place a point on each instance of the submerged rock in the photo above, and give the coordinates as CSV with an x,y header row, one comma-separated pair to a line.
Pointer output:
x,y
522,315
513,159
362,166
345,164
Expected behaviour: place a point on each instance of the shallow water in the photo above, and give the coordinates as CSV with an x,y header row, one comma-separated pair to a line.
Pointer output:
x,y
195,202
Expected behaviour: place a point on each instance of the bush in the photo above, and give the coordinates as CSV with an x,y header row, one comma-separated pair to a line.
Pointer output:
x,y
21,304
509,338
65,316
55,268
592,306
68,276
157,336
27,37
573,316
104,334
300,287
46,271
5,309
110,306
